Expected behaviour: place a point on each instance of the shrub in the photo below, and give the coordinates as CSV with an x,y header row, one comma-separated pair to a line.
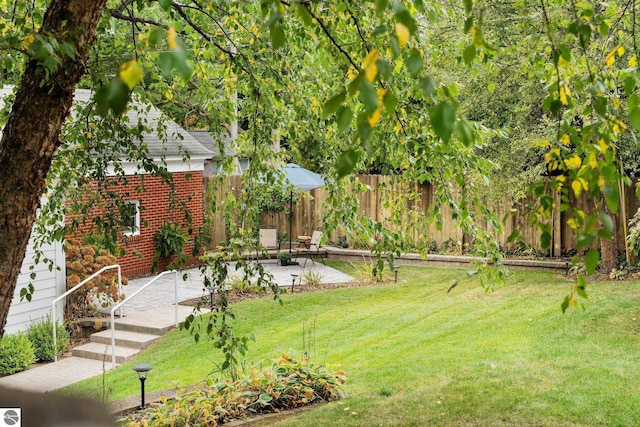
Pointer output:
x,y
81,262
243,285
313,278
284,258
287,384
16,354
41,336
169,240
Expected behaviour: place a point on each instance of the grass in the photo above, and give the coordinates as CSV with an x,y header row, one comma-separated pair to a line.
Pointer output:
x,y
415,355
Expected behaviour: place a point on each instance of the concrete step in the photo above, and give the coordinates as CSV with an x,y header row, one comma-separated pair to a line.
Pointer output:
x,y
102,352
124,338
155,322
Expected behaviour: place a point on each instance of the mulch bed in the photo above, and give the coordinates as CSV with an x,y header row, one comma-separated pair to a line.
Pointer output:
x,y
235,296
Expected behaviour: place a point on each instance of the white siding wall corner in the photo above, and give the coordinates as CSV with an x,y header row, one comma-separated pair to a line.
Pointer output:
x,y
48,285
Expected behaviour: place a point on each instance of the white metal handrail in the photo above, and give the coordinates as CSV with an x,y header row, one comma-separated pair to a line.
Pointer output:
x,y
121,303
70,291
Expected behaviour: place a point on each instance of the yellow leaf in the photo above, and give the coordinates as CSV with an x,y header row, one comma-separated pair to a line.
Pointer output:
x,y
28,40
620,50
603,146
577,188
374,118
593,160
633,61
563,96
171,38
542,144
611,58
131,73
573,162
565,139
369,65
402,33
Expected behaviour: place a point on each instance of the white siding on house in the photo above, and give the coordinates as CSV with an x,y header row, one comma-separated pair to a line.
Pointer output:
x,y
48,285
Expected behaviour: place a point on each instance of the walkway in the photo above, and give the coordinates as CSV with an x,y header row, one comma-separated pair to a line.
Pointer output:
x,y
157,298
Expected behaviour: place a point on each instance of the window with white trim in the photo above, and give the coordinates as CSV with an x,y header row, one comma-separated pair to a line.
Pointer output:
x,y
131,218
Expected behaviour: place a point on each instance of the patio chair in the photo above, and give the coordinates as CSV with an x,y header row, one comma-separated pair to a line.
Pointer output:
x,y
268,240
313,249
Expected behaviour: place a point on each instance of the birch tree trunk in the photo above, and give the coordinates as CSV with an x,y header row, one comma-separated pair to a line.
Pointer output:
x,y
32,133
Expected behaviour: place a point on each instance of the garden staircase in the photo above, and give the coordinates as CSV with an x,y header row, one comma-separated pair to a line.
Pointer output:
x,y
132,334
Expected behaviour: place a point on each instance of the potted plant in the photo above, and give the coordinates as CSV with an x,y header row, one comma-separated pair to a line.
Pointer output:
x,y
284,258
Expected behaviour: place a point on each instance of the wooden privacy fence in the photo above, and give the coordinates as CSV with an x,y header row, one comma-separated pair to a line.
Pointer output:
x,y
307,214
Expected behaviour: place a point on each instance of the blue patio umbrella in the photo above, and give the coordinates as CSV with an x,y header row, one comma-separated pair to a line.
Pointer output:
x,y
302,179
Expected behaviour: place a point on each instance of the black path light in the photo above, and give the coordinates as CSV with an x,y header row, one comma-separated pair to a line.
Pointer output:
x,y
142,370
293,281
395,271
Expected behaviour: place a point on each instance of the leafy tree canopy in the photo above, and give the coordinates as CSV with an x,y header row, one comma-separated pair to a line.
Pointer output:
x,y
428,91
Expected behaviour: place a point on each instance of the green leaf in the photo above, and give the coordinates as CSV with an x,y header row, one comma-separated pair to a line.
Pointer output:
x,y
347,162
380,29
565,304
468,6
469,54
345,116
634,102
629,85
428,86
364,132
278,37
333,103
591,261
384,68
381,6
634,118
513,236
464,133
607,221
468,24
165,4
600,105
612,197
545,240
390,101
368,96
414,62
442,118
581,282
585,239
114,96
304,15
565,52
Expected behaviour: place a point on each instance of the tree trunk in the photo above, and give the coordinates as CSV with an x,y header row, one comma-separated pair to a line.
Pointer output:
x,y
32,133
609,247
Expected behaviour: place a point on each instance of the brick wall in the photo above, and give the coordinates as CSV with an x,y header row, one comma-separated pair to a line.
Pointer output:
x,y
155,209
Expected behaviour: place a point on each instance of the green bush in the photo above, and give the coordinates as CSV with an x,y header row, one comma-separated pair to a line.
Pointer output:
x,y
41,336
16,354
169,240
287,384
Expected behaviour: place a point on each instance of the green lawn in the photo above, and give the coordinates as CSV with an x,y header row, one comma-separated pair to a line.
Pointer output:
x,y
415,355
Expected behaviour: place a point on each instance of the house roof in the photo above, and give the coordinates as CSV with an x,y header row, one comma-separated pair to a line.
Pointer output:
x,y
206,139
178,141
